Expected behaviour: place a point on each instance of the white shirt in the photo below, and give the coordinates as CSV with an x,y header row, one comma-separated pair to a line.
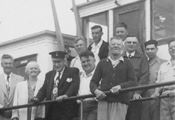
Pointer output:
x,y
96,48
115,62
76,62
5,78
57,74
132,54
84,88
166,73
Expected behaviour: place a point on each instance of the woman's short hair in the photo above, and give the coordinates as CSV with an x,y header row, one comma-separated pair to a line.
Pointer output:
x,y
29,65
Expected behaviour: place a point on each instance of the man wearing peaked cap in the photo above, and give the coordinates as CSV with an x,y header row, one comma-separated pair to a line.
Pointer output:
x,y
58,54
60,83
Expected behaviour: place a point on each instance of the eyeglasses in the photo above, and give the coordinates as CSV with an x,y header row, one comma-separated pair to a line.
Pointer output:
x,y
172,47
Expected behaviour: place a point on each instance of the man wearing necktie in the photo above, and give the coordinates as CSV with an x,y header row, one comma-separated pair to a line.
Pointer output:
x,y
141,68
60,83
8,84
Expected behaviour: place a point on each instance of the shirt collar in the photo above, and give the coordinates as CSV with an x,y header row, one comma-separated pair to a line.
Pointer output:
x,y
132,54
156,59
77,57
61,73
89,75
5,76
169,63
120,59
98,45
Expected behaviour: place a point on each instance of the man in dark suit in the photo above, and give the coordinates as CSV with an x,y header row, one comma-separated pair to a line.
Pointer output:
x,y
141,68
60,83
99,47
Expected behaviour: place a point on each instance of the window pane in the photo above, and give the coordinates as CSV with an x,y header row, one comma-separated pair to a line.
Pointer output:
x,y
163,18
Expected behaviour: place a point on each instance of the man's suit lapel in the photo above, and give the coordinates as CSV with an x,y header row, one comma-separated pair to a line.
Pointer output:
x,y
51,82
90,47
63,78
101,49
3,85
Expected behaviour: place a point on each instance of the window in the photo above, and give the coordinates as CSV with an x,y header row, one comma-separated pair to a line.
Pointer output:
x,y
98,19
163,12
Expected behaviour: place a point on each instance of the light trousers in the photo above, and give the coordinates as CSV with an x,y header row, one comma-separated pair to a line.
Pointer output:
x,y
111,111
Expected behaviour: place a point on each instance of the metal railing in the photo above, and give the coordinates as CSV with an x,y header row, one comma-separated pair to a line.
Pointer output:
x,y
91,95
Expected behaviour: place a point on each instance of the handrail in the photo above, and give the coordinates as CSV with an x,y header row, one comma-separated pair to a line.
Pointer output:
x,y
150,98
91,95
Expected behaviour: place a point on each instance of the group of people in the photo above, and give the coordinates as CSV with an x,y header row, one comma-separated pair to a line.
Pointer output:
x,y
100,67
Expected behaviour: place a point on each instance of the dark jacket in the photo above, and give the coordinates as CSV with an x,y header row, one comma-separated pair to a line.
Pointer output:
x,y
65,87
123,75
141,67
103,52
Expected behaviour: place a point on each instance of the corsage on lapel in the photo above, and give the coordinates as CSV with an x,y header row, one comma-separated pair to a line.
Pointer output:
x,y
69,80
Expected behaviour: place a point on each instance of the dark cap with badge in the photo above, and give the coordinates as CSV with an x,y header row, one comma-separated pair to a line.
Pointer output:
x,y
58,54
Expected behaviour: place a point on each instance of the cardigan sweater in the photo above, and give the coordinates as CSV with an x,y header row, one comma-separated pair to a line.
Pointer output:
x,y
105,77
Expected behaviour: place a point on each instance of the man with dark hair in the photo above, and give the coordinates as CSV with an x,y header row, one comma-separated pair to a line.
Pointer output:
x,y
151,109
89,104
113,74
99,47
8,82
141,68
121,30
60,83
167,73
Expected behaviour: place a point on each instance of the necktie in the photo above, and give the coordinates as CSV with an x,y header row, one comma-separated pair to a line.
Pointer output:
x,y
129,56
8,85
55,87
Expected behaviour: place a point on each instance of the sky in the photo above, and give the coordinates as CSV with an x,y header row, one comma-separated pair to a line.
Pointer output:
x,y
19,18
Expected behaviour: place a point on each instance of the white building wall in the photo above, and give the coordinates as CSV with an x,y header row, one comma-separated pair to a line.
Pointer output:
x,y
41,45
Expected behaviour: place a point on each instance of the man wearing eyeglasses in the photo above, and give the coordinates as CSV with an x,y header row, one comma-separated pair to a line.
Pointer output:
x,y
167,73
141,68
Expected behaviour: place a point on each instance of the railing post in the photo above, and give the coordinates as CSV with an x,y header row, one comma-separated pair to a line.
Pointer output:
x,y
81,109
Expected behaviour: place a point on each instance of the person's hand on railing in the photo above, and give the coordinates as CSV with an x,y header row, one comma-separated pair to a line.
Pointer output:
x,y
34,100
99,94
155,95
15,118
172,94
60,98
7,113
115,89
137,96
